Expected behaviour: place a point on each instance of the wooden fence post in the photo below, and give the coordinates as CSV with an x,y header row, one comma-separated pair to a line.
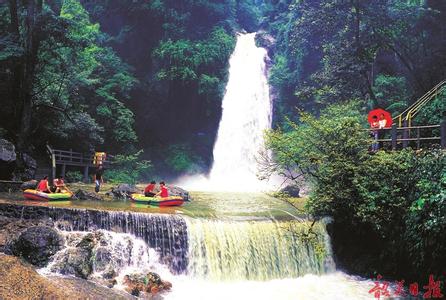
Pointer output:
x,y
405,135
62,171
86,174
394,135
443,132
418,138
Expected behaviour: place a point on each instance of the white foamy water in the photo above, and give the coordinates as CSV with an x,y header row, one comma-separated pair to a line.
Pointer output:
x,y
128,254
246,114
336,286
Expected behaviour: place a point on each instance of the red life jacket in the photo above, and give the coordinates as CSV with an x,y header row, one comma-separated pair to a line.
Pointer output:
x,y
164,192
42,185
149,188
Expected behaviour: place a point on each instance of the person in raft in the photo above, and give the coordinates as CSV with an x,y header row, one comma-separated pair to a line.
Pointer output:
x,y
98,178
163,193
149,190
43,185
59,183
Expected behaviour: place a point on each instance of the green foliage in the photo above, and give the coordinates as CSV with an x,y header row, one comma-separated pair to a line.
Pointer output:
x,y
128,169
73,176
432,112
396,198
185,60
78,86
391,93
181,158
341,50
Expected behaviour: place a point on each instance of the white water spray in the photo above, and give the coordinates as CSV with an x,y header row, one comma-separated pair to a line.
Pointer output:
x,y
246,114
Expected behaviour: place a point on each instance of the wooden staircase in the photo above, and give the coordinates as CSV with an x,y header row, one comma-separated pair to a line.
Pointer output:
x,y
405,118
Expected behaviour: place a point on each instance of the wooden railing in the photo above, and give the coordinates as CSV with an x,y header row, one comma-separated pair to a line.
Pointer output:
x,y
65,158
405,118
412,136
73,158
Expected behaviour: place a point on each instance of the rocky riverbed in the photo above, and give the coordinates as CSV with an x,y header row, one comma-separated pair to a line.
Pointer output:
x,y
96,263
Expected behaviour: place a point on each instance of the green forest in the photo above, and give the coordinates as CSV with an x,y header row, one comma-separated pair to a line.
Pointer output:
x,y
125,76
144,80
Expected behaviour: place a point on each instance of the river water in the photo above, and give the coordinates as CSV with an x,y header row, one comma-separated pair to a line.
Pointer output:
x,y
223,245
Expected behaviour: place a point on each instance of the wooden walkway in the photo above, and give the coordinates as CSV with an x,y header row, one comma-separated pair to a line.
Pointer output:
x,y
64,158
413,136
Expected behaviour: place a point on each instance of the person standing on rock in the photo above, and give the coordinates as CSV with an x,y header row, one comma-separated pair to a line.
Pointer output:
x,y
98,178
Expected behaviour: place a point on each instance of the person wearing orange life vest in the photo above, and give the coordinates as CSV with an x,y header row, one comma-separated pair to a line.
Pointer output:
x,y
163,193
43,185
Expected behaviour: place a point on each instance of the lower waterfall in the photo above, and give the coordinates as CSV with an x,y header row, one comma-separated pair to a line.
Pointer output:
x,y
203,258
256,250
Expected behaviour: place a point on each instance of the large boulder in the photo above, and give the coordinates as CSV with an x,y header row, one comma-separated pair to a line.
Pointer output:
x,y
7,151
26,169
84,195
150,283
291,190
7,159
30,184
123,191
177,191
36,245
267,41
75,261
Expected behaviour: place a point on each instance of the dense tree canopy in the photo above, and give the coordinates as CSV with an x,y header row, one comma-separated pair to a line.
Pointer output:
x,y
386,53
150,74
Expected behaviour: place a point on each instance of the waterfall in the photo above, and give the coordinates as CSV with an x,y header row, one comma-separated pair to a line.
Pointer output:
x,y
204,258
246,114
166,234
256,250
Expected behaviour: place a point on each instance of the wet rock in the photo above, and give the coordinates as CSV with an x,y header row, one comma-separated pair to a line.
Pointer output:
x,y
30,184
84,195
11,228
291,190
102,259
7,159
267,41
36,245
177,191
7,151
151,283
75,261
123,191
109,273
27,168
88,242
21,281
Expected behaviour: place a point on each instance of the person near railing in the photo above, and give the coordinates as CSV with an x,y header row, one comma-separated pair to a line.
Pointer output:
x,y
374,125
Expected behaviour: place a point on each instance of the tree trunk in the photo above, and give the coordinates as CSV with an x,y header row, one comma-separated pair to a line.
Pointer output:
x,y
30,59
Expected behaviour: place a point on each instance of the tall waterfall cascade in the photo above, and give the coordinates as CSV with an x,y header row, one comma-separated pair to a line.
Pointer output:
x,y
246,114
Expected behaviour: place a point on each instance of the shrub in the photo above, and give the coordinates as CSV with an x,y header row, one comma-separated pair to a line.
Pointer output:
x,y
73,176
389,205
128,169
